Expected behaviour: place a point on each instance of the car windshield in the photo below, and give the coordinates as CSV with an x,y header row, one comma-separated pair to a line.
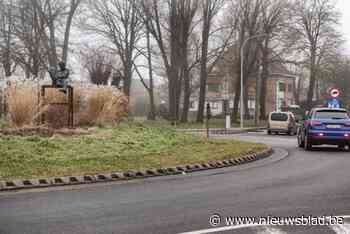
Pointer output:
x,y
279,117
331,114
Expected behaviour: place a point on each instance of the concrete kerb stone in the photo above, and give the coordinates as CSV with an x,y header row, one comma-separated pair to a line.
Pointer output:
x,y
9,185
59,181
89,179
103,177
86,179
248,158
193,168
173,171
17,184
117,176
129,174
181,168
43,182
199,167
205,166
74,180
151,173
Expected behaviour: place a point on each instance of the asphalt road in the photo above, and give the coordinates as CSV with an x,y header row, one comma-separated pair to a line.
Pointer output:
x,y
292,182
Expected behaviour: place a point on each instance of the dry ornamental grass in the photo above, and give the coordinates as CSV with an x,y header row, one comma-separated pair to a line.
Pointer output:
x,y
93,105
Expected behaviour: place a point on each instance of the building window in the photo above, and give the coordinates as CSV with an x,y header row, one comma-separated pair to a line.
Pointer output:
x,y
281,87
251,102
214,105
214,88
282,103
232,103
192,105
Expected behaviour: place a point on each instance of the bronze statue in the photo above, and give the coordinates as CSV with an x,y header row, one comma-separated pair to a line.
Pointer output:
x,y
60,77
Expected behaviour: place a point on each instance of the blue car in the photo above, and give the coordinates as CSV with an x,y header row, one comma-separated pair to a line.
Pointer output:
x,y
325,126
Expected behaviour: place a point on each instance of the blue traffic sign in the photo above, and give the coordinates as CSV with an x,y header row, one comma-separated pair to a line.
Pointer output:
x,y
334,103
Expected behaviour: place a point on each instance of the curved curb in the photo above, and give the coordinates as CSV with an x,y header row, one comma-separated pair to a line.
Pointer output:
x,y
119,176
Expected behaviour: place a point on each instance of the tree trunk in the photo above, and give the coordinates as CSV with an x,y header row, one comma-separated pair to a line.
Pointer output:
x,y
73,6
187,95
52,40
262,98
246,99
175,57
7,63
203,63
264,79
318,90
202,90
257,99
237,97
178,97
310,93
7,55
152,112
297,88
127,80
172,87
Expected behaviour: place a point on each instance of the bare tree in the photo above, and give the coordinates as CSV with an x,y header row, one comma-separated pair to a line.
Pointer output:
x,y
273,25
49,12
315,21
119,22
335,72
29,50
35,27
150,86
74,4
99,64
152,112
246,17
187,12
169,24
210,10
6,35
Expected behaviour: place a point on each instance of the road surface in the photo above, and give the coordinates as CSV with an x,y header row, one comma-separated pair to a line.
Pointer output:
x,y
292,182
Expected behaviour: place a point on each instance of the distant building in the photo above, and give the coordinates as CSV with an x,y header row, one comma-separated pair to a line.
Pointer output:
x,y
221,86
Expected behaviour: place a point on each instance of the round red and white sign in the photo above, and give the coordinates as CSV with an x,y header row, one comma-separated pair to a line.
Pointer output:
x,y
335,92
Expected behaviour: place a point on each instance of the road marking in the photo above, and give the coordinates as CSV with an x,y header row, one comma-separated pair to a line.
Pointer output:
x,y
222,229
345,228
341,228
270,230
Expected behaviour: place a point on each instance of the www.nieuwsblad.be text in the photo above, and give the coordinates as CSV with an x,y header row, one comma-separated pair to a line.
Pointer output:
x,y
218,220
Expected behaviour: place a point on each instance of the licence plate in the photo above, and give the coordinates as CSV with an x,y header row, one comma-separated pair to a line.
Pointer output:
x,y
334,126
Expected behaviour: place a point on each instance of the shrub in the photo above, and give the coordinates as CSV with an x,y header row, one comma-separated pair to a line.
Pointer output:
x,y
22,103
104,105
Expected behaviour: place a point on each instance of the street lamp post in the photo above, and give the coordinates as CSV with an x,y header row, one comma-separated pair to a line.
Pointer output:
x,y
226,105
242,74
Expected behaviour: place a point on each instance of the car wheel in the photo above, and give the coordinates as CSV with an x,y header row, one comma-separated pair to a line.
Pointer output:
x,y
307,144
290,133
341,146
269,132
